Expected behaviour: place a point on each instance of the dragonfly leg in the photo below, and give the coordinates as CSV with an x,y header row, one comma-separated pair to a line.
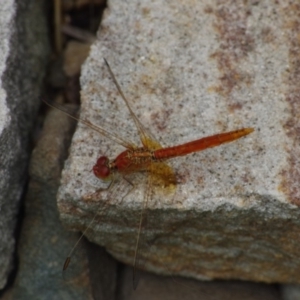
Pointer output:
x,y
95,195
133,187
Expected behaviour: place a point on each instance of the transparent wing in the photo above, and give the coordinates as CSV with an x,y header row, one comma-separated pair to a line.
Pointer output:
x,y
160,178
143,132
99,129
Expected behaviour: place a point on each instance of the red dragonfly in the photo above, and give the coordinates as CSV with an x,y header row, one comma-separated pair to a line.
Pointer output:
x,y
149,158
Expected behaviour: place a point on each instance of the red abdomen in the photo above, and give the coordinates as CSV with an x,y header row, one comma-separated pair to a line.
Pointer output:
x,y
201,144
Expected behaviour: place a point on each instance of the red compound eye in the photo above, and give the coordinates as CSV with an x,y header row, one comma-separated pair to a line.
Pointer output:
x,y
101,168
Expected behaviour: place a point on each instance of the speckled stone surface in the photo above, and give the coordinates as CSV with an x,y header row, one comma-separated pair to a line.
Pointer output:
x,y
190,70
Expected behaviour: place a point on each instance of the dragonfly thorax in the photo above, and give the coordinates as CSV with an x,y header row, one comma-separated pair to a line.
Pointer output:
x,y
132,160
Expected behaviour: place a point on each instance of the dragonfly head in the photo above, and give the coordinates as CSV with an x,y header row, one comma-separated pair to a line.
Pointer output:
x,y
101,169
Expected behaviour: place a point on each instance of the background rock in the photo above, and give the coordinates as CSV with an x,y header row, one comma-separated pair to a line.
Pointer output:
x,y
176,288
44,243
23,48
